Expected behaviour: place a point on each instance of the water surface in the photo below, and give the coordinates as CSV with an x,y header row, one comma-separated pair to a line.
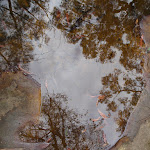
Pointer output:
x,y
77,51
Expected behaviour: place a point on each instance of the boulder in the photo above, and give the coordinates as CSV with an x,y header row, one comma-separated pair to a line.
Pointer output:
x,y
20,102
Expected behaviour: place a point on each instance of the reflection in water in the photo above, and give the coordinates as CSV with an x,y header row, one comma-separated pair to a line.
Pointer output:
x,y
102,29
63,128
99,26
20,23
112,90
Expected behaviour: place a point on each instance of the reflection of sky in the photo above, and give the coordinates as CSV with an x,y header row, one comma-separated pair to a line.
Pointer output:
x,y
66,70
124,39
54,3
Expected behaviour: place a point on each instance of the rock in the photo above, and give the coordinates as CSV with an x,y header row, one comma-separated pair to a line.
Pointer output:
x,y
20,101
145,30
141,140
147,63
138,126
119,143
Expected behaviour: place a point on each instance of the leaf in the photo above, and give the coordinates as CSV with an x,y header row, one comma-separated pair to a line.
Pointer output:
x,y
101,97
97,103
104,145
136,22
67,16
141,41
96,119
58,14
104,137
49,140
83,131
101,114
93,96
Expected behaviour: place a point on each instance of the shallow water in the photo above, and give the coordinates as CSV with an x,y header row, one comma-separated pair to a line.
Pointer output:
x,y
77,51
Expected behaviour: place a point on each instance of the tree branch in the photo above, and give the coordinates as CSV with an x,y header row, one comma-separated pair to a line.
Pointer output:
x,y
11,13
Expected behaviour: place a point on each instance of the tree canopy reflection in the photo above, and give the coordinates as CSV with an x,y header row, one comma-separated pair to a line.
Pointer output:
x,y
100,25
21,21
131,88
63,127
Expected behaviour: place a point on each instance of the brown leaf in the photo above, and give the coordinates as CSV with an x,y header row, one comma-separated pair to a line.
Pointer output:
x,y
101,114
136,22
104,137
83,130
101,97
96,119
67,16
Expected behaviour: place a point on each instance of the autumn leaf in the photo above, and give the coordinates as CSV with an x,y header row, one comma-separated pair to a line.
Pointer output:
x,y
97,103
136,22
104,137
96,119
104,145
49,140
58,14
83,131
101,97
101,114
67,16
141,41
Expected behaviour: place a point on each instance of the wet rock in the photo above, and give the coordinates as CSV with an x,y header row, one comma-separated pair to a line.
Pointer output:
x,y
142,109
138,127
136,121
147,64
120,142
20,101
145,29
139,115
141,140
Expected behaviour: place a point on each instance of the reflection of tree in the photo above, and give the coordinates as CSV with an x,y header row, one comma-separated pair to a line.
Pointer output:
x,y
20,22
63,127
112,91
101,25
